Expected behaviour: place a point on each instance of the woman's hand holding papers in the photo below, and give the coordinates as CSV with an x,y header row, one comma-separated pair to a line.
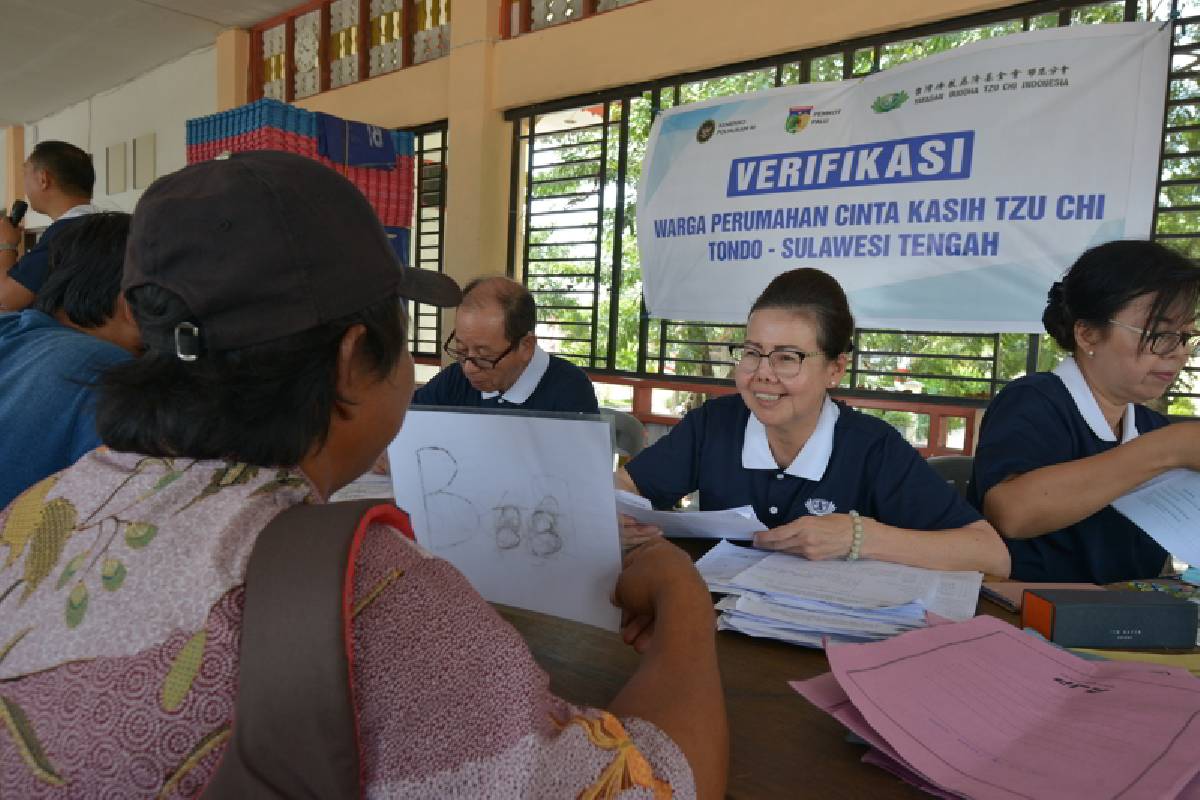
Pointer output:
x,y
667,616
817,538
634,533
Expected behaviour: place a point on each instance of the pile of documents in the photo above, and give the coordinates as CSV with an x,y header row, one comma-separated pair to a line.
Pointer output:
x,y
980,709
785,597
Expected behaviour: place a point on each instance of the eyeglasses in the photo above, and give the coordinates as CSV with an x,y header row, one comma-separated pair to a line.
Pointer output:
x,y
1164,343
459,354
785,362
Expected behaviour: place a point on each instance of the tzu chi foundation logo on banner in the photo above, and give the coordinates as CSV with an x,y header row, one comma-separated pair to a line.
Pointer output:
x,y
798,118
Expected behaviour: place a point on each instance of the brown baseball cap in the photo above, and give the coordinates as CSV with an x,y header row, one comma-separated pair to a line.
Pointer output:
x,y
263,245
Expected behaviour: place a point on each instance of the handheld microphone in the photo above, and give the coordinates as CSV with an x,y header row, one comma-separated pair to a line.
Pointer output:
x,y
19,207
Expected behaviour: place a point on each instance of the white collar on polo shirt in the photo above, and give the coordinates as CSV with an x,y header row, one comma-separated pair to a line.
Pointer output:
x,y
813,458
79,211
1068,372
530,377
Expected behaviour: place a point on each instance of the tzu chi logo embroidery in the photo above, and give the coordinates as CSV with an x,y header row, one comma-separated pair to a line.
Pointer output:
x,y
818,507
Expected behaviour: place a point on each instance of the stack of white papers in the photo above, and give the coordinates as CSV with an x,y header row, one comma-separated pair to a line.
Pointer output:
x,y
785,597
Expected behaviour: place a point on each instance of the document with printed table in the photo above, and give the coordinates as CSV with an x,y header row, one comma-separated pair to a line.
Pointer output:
x,y
981,709
1168,509
865,584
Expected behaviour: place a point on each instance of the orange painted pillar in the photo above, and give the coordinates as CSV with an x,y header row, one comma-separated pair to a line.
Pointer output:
x,y
233,68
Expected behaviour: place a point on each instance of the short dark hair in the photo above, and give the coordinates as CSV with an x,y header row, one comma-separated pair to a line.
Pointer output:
x,y
267,404
816,294
87,258
71,167
515,301
1108,277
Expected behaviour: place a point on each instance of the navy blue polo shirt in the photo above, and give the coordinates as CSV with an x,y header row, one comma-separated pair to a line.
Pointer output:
x,y
549,383
871,470
1034,422
30,271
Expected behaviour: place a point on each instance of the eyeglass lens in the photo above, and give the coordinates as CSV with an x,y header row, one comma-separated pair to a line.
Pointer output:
x,y
1163,344
784,363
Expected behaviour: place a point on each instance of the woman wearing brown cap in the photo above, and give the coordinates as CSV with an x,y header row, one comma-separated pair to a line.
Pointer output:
x,y
180,613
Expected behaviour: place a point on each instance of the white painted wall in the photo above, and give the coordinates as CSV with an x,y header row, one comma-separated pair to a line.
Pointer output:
x,y
159,102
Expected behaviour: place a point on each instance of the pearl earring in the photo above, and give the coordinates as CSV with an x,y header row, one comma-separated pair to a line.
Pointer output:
x,y
1091,353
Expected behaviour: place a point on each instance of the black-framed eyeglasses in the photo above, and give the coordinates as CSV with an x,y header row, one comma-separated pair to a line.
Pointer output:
x,y
460,355
1164,343
785,361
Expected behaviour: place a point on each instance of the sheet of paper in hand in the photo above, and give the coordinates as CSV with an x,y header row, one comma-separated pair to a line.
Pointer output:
x,y
521,503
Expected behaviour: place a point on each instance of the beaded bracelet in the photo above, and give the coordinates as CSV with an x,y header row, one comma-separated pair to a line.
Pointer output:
x,y
857,539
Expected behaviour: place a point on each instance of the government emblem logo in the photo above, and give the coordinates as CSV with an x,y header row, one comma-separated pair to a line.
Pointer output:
x,y
818,507
705,131
798,118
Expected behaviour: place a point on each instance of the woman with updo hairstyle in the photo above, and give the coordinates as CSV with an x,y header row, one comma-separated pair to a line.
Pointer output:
x,y
825,480
1057,448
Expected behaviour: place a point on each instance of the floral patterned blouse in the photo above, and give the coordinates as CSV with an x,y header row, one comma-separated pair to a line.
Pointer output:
x,y
120,611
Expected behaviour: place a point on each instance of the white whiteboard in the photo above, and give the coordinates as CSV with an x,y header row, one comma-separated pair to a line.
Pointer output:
x,y
522,504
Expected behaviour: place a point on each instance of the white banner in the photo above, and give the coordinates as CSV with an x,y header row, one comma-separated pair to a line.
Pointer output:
x,y
946,194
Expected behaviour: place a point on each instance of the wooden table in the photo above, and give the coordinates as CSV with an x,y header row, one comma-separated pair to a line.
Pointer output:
x,y
781,745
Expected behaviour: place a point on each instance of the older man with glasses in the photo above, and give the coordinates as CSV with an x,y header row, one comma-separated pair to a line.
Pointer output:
x,y
498,363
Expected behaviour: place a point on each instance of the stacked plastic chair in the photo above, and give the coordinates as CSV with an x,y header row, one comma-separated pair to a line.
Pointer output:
x,y
273,125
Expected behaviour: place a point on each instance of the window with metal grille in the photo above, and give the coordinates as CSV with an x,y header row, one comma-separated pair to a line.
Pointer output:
x,y
429,216
576,165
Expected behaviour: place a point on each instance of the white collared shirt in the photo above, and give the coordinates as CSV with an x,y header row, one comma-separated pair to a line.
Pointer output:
x,y
813,458
79,211
1068,372
529,379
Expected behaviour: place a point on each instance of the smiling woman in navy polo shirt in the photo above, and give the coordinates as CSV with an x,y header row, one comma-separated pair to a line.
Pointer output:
x,y
1056,448
828,481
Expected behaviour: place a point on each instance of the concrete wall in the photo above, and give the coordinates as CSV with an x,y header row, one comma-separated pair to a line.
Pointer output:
x,y
12,155
159,102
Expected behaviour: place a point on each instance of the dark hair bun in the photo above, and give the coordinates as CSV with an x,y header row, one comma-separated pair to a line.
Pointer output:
x,y
1056,319
808,290
1108,277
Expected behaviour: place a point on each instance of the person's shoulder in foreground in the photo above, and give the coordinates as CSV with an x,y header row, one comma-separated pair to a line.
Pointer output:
x,y
52,355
